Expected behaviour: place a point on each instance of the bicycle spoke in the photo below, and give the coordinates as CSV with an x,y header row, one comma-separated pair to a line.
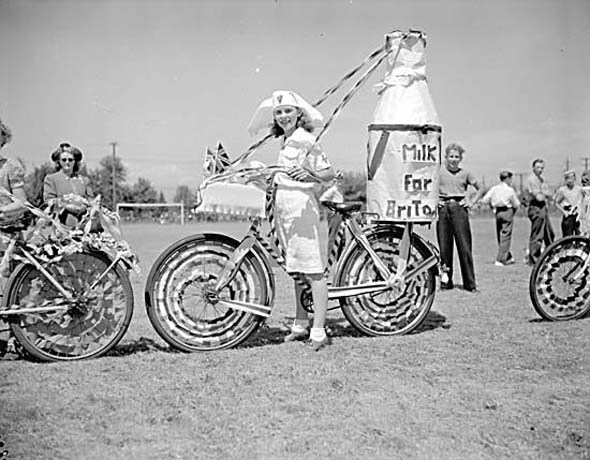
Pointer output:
x,y
184,305
559,286
94,320
389,311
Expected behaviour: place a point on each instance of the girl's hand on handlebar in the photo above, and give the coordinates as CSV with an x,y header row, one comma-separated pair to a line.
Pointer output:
x,y
301,174
75,208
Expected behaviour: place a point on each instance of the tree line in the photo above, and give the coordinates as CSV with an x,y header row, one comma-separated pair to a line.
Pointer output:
x,y
101,182
143,191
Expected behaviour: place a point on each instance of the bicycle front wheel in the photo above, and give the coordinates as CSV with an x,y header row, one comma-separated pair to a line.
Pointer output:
x,y
176,294
91,323
560,281
386,313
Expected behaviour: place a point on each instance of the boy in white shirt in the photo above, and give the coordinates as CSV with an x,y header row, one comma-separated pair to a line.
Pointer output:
x,y
502,198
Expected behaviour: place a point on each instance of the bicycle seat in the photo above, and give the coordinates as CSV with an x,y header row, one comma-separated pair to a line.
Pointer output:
x,y
343,208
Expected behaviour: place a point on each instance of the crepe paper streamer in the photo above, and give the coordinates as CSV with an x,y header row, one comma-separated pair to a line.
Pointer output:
x,y
373,55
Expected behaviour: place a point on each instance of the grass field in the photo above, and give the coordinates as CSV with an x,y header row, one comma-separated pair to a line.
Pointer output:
x,y
484,377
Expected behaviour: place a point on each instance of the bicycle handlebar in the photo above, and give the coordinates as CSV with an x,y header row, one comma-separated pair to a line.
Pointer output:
x,y
262,176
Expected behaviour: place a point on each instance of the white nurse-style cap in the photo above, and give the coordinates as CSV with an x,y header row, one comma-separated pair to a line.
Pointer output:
x,y
263,117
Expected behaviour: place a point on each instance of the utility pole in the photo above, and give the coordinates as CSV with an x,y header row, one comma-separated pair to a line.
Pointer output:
x,y
586,160
520,179
567,164
114,146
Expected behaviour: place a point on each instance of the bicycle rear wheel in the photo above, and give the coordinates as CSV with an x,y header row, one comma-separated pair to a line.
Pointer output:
x,y
559,285
89,326
385,313
176,300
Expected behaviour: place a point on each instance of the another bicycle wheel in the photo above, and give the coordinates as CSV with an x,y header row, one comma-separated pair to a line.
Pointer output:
x,y
560,281
177,300
386,313
91,323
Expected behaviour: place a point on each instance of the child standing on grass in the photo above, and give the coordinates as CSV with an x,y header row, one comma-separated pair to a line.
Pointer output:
x,y
297,210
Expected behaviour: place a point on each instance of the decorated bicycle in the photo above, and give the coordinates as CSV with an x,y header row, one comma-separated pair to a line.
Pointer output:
x,y
559,284
68,295
210,291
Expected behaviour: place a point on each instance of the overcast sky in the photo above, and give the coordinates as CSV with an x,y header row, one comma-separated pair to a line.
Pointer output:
x,y
164,79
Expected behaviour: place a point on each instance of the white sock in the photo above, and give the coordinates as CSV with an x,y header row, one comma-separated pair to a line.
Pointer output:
x,y
317,334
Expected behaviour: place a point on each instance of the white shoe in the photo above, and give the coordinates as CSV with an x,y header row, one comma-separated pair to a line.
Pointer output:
x,y
296,335
317,345
497,263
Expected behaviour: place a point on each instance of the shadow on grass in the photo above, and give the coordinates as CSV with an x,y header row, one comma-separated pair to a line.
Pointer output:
x,y
274,335
265,335
539,320
434,320
548,321
142,344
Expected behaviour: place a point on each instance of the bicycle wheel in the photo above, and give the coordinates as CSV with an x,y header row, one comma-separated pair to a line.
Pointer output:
x,y
176,300
559,285
385,313
93,322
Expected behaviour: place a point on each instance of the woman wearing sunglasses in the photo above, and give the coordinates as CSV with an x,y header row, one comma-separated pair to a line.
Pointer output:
x,y
66,189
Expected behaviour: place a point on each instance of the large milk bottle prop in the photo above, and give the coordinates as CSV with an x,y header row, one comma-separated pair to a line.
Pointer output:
x,y
404,138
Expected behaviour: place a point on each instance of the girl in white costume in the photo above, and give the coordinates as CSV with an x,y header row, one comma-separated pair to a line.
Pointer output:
x,y
297,211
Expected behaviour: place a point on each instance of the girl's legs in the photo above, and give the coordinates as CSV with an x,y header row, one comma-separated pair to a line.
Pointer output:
x,y
300,312
300,326
319,291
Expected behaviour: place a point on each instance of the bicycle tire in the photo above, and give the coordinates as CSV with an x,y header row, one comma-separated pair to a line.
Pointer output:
x,y
554,297
177,307
383,314
91,329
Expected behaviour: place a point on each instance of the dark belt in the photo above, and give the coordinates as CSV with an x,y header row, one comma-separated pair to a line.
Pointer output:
x,y
538,204
502,208
446,199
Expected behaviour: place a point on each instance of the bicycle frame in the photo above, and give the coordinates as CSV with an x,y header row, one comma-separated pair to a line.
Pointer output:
x,y
69,297
393,280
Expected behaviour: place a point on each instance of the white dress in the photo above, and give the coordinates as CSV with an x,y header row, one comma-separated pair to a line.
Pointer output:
x,y
297,210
